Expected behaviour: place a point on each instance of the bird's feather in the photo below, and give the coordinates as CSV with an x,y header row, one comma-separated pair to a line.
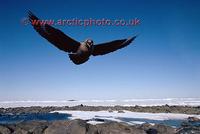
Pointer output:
x,y
53,35
112,46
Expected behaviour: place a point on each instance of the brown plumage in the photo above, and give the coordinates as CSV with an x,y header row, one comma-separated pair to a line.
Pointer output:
x,y
79,52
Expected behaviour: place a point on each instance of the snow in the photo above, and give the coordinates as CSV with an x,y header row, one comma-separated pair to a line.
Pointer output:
x,y
111,102
95,122
115,116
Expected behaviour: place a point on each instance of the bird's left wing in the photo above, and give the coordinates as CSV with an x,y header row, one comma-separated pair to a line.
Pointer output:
x,y
112,46
53,35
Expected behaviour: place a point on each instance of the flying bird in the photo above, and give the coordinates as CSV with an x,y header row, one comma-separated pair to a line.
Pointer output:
x,y
79,52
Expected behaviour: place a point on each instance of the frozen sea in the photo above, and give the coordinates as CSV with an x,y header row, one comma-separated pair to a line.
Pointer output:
x,y
111,102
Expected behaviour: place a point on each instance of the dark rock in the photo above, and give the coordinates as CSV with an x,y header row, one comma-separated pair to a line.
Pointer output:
x,y
163,129
92,129
145,126
117,128
166,105
110,110
152,131
81,127
189,130
193,119
121,111
20,131
67,127
4,130
157,129
34,127
185,124
151,109
191,126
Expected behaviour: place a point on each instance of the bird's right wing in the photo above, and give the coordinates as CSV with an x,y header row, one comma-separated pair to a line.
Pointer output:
x,y
53,35
112,46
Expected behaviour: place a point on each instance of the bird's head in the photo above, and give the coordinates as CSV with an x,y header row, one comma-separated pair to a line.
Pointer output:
x,y
89,42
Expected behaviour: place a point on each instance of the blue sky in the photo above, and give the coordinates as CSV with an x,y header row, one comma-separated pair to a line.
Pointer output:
x,y
163,61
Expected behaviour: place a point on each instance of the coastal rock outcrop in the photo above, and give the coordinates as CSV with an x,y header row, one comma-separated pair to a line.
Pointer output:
x,y
4,130
79,126
67,127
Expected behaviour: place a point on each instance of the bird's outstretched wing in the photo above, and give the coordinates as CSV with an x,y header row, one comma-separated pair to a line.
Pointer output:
x,y
53,35
112,46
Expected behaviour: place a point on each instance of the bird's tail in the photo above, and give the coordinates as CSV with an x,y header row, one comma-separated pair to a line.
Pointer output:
x,y
76,59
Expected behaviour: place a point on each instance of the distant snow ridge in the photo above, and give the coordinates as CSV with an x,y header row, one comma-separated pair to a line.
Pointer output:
x,y
111,102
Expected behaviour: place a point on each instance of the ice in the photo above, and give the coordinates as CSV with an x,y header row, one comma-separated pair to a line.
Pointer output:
x,y
115,116
108,102
95,122
136,122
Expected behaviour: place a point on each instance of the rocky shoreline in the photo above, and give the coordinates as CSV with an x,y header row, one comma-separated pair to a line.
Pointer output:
x,y
82,127
149,109
78,126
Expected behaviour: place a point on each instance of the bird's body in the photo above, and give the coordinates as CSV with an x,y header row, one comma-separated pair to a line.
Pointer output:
x,y
84,49
83,53
79,52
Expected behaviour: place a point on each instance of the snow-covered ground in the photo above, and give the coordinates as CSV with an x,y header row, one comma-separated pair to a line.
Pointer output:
x,y
126,102
127,116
